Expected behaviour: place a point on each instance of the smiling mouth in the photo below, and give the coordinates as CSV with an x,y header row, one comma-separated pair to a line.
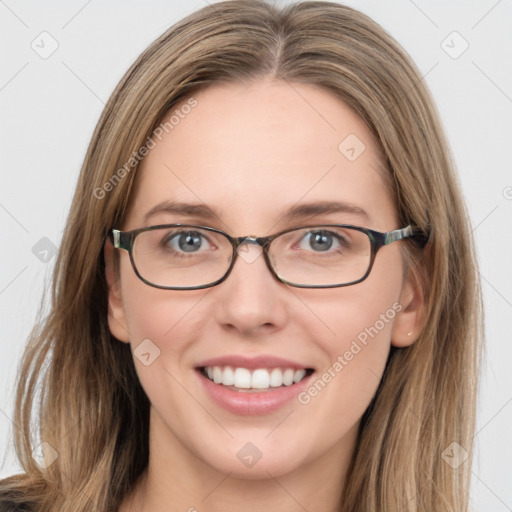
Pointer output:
x,y
254,380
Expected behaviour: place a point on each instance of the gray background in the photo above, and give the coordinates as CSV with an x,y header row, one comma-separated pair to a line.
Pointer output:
x,y
49,107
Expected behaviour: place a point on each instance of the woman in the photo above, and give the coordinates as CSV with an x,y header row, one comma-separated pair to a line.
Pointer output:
x,y
266,291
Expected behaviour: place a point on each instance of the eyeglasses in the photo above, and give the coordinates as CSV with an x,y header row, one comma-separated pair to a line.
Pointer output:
x,y
189,257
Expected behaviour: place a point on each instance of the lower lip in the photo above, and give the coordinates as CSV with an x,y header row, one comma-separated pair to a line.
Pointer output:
x,y
252,403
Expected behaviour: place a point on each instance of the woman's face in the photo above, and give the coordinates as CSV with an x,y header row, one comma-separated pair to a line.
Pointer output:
x,y
251,154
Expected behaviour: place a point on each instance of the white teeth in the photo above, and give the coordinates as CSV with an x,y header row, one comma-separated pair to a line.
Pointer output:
x,y
242,378
276,378
228,376
217,374
288,377
299,375
260,378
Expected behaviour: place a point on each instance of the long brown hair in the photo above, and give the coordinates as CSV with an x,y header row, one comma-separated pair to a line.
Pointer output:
x,y
92,413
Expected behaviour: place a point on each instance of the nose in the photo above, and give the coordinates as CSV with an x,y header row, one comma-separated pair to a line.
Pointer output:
x,y
251,299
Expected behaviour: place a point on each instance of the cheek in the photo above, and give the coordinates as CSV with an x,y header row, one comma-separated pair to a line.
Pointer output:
x,y
356,343
360,313
359,336
161,332
160,326
160,315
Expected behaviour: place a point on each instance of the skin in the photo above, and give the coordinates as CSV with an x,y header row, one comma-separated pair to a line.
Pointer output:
x,y
251,152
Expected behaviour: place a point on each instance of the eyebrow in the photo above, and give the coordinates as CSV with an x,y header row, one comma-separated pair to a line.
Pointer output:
x,y
296,212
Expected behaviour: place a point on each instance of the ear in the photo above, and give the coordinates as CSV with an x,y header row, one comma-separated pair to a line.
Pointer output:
x,y
409,321
116,314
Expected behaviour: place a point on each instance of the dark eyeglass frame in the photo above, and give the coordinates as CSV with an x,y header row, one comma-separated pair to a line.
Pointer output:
x,y
125,240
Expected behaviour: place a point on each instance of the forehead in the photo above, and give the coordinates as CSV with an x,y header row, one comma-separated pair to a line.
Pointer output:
x,y
251,151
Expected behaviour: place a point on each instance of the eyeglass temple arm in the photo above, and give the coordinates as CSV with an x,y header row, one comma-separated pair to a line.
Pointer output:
x,y
118,239
408,231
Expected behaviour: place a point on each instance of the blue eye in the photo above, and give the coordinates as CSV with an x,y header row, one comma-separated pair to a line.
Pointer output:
x,y
187,241
321,241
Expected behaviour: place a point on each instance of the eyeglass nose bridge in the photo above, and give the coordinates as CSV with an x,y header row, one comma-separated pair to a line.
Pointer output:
x,y
251,239
245,254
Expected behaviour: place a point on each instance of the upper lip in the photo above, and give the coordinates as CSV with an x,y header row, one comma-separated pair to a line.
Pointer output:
x,y
261,361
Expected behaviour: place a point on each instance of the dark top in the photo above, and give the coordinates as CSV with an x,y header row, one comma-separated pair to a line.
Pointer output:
x,y
10,506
